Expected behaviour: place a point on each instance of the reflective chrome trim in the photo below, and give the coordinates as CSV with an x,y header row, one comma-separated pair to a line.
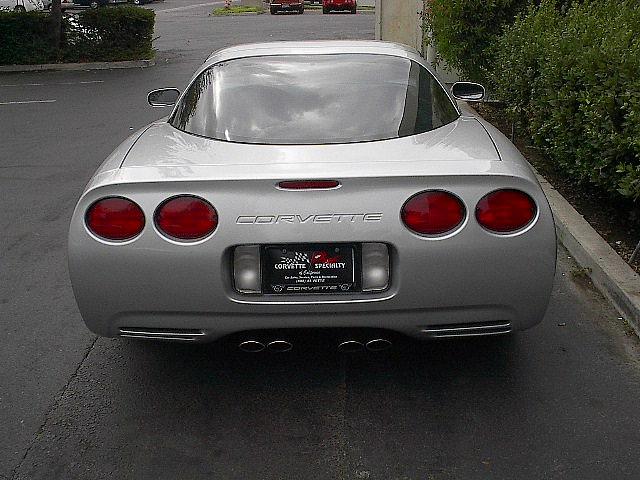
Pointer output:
x,y
350,346
176,334
251,346
378,345
467,330
279,346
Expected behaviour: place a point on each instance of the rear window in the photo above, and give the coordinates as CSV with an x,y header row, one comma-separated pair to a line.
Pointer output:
x,y
315,99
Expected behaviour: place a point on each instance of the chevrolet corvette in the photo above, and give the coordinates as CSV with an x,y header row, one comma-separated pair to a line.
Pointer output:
x,y
309,185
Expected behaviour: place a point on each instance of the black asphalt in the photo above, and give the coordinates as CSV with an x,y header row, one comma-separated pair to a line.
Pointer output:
x,y
559,401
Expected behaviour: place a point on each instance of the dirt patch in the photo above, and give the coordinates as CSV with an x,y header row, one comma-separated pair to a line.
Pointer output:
x,y
615,219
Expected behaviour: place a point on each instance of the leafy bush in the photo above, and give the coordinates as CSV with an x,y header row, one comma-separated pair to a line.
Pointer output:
x,y
572,80
110,34
463,30
25,38
104,34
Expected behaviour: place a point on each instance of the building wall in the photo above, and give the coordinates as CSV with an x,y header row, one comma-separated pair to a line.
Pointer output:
x,y
400,21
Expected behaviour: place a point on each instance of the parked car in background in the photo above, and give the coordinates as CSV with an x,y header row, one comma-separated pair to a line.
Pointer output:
x,y
23,5
339,5
276,6
96,3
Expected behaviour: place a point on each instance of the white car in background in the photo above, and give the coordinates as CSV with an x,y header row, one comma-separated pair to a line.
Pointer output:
x,y
24,5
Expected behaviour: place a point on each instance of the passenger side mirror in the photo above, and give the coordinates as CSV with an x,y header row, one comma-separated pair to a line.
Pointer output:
x,y
163,97
468,91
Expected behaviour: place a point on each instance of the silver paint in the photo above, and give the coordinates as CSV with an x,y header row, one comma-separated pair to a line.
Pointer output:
x,y
469,277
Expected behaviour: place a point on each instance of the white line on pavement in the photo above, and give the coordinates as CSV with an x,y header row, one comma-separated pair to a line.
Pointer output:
x,y
27,101
45,84
189,7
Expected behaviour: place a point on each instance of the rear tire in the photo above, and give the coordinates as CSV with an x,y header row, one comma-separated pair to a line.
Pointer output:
x,y
301,11
273,11
94,4
19,8
354,11
325,10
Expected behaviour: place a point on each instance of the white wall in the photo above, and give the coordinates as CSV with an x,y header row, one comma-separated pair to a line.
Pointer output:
x,y
400,21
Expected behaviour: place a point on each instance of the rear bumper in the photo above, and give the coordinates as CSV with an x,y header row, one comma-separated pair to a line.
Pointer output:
x,y
468,278
340,6
286,6
419,324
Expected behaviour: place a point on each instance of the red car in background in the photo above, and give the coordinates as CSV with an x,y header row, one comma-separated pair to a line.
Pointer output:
x,y
276,6
329,5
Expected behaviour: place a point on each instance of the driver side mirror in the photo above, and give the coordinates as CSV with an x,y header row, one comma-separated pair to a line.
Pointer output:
x,y
468,91
163,97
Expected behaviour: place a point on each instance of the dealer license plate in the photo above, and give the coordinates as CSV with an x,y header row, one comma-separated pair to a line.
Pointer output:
x,y
306,269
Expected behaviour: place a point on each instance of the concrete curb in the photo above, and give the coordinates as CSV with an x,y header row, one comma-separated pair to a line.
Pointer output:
x,y
78,66
610,274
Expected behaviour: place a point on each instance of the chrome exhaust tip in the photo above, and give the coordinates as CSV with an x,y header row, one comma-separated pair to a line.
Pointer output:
x,y
350,346
279,346
251,346
378,345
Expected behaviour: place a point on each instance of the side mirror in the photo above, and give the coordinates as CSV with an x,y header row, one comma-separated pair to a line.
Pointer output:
x,y
468,91
163,97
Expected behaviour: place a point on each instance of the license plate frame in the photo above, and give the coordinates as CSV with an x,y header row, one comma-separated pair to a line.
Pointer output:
x,y
314,274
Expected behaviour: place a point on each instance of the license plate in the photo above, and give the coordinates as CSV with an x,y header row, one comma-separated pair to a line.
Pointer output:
x,y
310,269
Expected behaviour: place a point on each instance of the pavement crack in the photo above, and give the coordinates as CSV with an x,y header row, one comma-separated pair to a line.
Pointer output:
x,y
54,406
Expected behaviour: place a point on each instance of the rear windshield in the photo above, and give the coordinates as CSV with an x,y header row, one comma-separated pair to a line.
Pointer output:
x,y
315,99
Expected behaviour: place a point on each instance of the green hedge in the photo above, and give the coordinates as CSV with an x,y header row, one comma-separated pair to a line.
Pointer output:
x,y
462,31
572,79
25,38
110,34
103,34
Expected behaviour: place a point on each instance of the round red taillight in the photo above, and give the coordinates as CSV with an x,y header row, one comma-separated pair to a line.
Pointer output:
x,y
433,212
115,218
505,211
186,218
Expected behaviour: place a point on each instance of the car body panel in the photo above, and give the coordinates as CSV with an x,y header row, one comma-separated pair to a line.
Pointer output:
x,y
467,276
339,4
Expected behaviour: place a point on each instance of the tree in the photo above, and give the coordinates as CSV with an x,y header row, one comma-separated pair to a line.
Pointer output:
x,y
56,24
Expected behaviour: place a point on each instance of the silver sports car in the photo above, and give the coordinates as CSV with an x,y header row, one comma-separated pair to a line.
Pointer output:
x,y
302,185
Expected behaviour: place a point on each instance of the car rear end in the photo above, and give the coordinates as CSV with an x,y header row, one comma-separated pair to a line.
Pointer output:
x,y
339,5
286,6
192,233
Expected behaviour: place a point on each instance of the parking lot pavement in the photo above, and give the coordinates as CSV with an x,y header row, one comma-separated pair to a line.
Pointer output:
x,y
555,402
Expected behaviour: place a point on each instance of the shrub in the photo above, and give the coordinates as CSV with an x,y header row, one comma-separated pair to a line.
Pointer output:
x,y
572,80
104,34
109,34
463,30
25,38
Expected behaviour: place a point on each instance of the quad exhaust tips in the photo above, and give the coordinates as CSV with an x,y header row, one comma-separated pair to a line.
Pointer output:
x,y
348,346
277,346
375,345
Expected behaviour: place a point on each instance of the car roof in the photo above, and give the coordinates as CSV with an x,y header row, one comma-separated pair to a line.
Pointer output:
x,y
313,47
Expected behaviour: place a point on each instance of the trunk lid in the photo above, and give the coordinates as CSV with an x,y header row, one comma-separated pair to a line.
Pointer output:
x,y
164,148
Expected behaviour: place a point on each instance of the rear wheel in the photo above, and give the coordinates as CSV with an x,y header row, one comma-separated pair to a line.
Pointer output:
x,y
273,11
301,11
94,4
19,8
325,10
354,10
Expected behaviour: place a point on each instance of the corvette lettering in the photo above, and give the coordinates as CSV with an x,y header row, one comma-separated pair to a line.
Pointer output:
x,y
305,219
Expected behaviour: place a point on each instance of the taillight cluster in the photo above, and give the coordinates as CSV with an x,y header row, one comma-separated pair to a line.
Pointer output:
x,y
437,212
183,218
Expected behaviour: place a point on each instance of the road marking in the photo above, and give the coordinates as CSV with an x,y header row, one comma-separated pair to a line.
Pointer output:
x,y
189,7
45,84
27,101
